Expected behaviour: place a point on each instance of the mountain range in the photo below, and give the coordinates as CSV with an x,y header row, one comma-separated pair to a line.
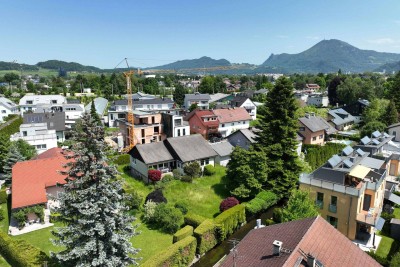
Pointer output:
x,y
326,56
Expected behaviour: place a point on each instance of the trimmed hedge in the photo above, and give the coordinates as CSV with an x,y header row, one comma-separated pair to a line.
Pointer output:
x,y
3,196
317,155
12,128
193,219
206,235
18,253
229,220
123,159
182,233
179,254
262,201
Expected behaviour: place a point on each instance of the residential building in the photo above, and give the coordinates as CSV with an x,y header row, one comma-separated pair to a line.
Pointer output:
x,y
246,103
312,87
341,119
203,122
54,120
243,138
7,107
218,98
318,100
349,189
356,109
375,144
394,130
224,150
314,129
174,125
231,120
30,102
100,105
310,242
262,91
37,135
71,111
171,153
201,100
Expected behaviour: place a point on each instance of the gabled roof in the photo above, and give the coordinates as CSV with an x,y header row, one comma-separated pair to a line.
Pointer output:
x,y
232,115
189,147
154,152
100,105
316,123
7,103
30,178
197,96
218,96
308,236
340,116
249,134
201,114
238,100
222,148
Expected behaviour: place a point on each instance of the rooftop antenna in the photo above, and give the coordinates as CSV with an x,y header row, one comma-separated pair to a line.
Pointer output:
x,y
234,241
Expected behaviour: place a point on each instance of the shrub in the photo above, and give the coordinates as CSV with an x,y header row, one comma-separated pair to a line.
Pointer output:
x,y
154,175
20,217
123,159
182,233
262,201
3,196
193,219
177,174
167,178
187,178
228,203
55,217
182,205
206,235
277,215
269,222
167,218
134,200
209,170
254,206
229,220
192,169
156,196
149,210
180,253
381,260
395,261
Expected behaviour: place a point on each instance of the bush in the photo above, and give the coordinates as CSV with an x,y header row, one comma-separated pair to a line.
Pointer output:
x,y
317,155
206,235
20,217
123,159
192,169
167,178
209,170
228,203
395,261
182,205
229,220
269,222
254,206
149,210
156,196
182,233
381,260
134,199
55,217
167,218
177,174
193,219
262,201
3,196
187,178
179,254
19,253
154,175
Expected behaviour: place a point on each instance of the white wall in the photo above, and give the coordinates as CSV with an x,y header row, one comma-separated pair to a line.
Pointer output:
x,y
223,161
139,166
396,132
253,112
51,193
227,128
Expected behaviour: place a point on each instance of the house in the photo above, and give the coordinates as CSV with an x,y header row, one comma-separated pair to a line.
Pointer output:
x,y
231,120
174,125
349,190
246,103
312,87
35,182
30,102
7,107
54,120
308,242
72,111
100,105
37,135
243,138
224,150
341,119
318,100
375,144
171,153
394,130
201,100
217,98
356,109
314,129
262,91
203,122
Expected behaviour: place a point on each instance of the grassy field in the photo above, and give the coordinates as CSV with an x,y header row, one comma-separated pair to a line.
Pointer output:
x,y
385,247
3,262
396,213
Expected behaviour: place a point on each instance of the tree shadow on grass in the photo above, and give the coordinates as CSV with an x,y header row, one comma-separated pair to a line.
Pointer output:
x,y
221,189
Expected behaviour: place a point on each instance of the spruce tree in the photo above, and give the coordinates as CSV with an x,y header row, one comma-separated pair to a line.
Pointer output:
x,y
278,138
97,228
390,116
13,157
94,114
395,91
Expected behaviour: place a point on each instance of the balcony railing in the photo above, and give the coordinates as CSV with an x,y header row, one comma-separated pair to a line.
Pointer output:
x,y
319,203
332,208
370,217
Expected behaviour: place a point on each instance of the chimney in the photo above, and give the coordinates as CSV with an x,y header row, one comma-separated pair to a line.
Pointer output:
x,y
311,260
277,247
307,115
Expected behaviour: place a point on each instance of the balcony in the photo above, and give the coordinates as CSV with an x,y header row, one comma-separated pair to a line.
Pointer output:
x,y
371,218
332,208
319,203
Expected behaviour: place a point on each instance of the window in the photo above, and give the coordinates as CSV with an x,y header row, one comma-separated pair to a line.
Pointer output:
x,y
314,138
321,136
244,122
223,125
333,204
332,220
204,162
159,106
41,146
3,111
233,124
54,101
179,132
320,200
29,102
184,131
302,129
24,133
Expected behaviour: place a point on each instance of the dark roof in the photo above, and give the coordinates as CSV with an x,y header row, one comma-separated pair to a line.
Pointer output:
x,y
54,120
249,134
73,101
124,102
222,148
154,152
190,147
238,100
316,123
308,236
340,116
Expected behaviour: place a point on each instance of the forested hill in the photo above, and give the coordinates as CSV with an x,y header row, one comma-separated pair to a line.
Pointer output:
x,y
68,66
389,67
16,66
330,56
203,62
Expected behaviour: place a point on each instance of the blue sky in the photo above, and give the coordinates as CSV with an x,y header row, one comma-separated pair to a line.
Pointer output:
x,y
149,33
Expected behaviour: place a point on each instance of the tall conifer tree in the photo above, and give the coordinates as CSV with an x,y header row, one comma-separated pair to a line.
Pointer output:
x,y
13,157
278,138
97,227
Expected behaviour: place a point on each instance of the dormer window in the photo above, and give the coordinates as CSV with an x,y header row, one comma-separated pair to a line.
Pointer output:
x,y
29,102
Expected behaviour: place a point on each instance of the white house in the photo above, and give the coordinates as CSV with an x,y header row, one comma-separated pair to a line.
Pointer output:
x,y
202,101
72,111
7,107
30,102
174,125
232,119
394,130
240,101
37,135
224,150
318,100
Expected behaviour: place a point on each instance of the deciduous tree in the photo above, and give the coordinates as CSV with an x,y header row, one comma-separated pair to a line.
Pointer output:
x,y
299,206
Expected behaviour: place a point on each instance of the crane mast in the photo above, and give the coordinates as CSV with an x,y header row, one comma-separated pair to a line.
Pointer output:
x,y
130,118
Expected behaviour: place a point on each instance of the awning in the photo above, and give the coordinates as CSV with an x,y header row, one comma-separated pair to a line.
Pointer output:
x,y
379,223
360,172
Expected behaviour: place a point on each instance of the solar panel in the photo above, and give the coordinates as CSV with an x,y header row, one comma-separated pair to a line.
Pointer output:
x,y
360,152
347,150
334,160
365,140
376,134
376,142
348,163
386,135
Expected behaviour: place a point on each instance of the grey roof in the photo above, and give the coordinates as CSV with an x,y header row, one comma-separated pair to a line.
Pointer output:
x,y
222,148
372,163
124,102
54,120
340,116
100,105
394,125
249,134
7,103
73,101
316,123
197,97
154,152
261,91
190,147
238,100
218,96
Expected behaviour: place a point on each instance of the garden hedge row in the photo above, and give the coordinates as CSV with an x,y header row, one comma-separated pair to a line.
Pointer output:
x,y
193,219
12,128
182,233
229,220
3,196
317,155
179,254
207,236
18,253
262,201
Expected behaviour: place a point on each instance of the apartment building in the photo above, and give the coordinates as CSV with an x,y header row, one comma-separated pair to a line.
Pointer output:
x,y
30,102
7,107
201,100
232,119
37,135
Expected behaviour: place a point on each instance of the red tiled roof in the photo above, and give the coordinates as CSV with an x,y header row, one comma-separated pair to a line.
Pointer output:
x,y
204,113
30,178
232,115
313,235
53,152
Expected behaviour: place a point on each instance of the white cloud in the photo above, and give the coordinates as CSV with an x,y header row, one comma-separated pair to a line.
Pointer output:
x,y
382,41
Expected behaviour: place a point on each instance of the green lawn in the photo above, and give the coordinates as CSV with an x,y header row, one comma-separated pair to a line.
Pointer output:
x,y
384,247
4,222
3,262
396,213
